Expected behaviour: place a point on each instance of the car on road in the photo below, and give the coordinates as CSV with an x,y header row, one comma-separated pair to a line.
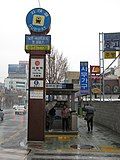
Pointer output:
x,y
1,114
20,109
15,106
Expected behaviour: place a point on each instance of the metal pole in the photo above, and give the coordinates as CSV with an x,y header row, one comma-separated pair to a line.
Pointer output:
x,y
49,66
103,66
49,74
100,62
90,85
39,3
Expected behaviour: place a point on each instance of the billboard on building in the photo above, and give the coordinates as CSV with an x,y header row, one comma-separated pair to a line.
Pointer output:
x,y
20,68
13,68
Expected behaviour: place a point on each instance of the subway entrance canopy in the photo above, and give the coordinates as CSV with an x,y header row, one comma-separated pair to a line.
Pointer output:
x,y
60,89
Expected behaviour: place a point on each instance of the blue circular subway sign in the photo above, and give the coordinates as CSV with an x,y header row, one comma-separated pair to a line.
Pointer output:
x,y
38,20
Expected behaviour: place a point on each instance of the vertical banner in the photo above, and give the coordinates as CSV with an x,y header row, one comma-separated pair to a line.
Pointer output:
x,y
84,84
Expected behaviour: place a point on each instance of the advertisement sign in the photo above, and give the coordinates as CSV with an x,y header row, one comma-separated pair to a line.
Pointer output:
x,y
84,85
110,54
95,69
17,69
37,43
13,68
37,68
38,20
111,41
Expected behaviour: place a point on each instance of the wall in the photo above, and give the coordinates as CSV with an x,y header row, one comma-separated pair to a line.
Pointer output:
x,y
108,114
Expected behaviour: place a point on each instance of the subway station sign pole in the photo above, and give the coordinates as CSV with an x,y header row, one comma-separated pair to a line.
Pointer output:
x,y
37,44
36,108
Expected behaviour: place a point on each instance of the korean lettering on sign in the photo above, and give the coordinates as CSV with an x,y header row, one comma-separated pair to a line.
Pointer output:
x,y
111,41
36,43
37,68
84,86
110,54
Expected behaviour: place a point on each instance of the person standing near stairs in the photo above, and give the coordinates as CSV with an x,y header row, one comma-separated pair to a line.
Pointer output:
x,y
65,113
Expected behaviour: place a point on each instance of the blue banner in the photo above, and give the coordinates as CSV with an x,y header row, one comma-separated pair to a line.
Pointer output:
x,y
38,40
84,84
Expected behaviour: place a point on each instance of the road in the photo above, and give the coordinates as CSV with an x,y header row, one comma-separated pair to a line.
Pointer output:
x,y
11,127
13,136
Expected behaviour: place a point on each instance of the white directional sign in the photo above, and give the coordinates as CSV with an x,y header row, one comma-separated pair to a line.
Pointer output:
x,y
36,94
36,83
48,85
37,68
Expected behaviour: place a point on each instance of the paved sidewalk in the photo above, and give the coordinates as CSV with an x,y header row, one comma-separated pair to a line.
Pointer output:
x,y
102,144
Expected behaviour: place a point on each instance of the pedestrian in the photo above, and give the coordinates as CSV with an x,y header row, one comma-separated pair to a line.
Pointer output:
x,y
89,110
65,113
51,115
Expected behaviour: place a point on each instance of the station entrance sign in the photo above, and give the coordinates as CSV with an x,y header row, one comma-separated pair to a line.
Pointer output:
x,y
37,68
37,44
38,20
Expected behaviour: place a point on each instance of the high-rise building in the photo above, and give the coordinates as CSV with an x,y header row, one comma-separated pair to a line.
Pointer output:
x,y
18,70
17,76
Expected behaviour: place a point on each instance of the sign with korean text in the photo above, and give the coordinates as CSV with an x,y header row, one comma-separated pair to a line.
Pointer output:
x,y
95,69
36,94
37,43
110,54
37,68
38,20
84,85
50,85
111,41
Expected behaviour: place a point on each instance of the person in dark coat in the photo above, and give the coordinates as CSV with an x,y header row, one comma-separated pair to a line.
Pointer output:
x,y
51,115
89,109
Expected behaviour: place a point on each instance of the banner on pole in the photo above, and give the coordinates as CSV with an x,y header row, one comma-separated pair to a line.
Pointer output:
x,y
84,84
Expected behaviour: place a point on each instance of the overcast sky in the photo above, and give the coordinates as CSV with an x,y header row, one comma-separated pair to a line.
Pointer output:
x,y
75,28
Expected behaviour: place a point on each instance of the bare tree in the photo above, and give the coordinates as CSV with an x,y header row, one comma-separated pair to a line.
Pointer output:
x,y
56,67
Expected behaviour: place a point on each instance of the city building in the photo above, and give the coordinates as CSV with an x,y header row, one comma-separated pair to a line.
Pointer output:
x,y
111,81
17,76
117,68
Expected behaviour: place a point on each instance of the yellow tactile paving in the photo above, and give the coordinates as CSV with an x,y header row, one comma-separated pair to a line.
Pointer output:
x,y
61,137
109,149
